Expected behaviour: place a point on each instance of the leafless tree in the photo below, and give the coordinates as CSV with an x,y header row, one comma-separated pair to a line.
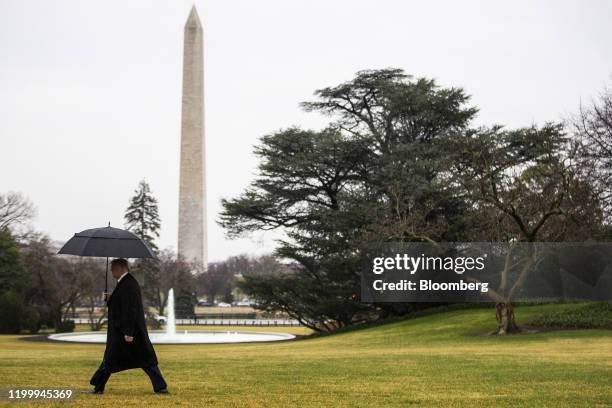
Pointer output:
x,y
593,128
91,272
216,280
15,210
526,187
55,285
159,276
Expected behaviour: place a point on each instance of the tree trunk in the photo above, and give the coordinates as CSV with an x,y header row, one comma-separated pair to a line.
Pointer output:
x,y
506,324
91,308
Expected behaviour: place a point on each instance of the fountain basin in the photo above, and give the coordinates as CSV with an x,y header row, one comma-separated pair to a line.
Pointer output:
x,y
187,337
172,336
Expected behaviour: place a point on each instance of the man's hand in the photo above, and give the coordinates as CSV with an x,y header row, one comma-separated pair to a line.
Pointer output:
x,y
105,296
129,339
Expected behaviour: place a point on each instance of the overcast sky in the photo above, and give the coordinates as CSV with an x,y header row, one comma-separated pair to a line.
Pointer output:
x,y
90,91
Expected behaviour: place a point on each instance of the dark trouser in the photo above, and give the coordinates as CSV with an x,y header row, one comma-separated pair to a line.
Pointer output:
x,y
102,374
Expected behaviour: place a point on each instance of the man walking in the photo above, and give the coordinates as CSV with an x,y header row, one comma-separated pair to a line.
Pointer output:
x,y
127,340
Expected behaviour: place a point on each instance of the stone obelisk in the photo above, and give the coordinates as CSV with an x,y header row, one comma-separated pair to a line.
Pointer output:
x,y
192,230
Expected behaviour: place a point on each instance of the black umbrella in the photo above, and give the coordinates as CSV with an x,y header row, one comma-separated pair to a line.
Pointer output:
x,y
107,242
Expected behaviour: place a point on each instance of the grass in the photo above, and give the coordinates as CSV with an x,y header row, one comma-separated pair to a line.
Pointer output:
x,y
440,360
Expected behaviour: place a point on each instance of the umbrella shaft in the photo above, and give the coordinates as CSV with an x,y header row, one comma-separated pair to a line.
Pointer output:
x,y
106,277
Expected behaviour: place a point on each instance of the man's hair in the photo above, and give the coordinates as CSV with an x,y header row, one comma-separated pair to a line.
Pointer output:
x,y
120,262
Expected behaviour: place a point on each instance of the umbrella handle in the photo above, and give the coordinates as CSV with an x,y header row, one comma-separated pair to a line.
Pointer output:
x,y
106,277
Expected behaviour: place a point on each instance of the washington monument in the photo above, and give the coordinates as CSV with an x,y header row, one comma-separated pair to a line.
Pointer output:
x,y
192,230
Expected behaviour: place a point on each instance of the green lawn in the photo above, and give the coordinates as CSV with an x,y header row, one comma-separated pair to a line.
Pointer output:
x,y
440,360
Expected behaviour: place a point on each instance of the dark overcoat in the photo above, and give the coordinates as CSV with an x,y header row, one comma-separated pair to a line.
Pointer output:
x,y
126,318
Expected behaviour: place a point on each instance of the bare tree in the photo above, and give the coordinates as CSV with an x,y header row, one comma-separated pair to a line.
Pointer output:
x,y
90,273
526,188
593,127
159,276
55,285
216,280
15,210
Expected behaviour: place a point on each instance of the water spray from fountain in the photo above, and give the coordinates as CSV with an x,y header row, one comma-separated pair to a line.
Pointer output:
x,y
170,321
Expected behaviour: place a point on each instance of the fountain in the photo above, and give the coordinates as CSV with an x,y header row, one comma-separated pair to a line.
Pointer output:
x,y
170,336
170,322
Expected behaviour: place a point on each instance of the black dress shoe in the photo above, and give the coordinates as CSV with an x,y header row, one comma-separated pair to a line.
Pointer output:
x,y
94,391
164,391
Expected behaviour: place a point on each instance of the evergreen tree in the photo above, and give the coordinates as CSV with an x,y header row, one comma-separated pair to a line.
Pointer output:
x,y
13,275
142,216
378,171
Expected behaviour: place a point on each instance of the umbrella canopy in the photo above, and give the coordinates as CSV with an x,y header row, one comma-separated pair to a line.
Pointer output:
x,y
107,242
